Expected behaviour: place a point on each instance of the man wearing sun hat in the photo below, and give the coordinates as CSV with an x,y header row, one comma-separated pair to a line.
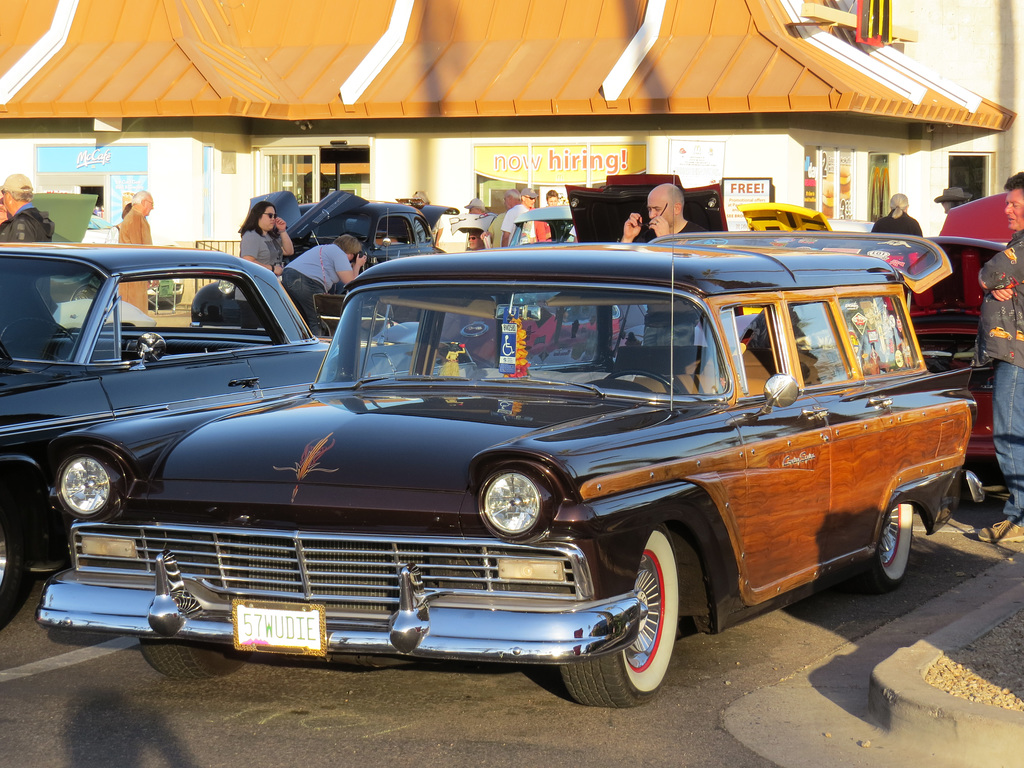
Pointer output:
x,y
25,223
951,197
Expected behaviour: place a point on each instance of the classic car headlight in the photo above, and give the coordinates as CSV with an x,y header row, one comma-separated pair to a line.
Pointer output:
x,y
87,487
512,502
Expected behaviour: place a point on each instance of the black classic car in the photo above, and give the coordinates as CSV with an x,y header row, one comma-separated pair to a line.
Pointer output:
x,y
387,230
543,456
89,334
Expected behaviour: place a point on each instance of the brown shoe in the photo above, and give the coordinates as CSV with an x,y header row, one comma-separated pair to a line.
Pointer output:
x,y
1002,533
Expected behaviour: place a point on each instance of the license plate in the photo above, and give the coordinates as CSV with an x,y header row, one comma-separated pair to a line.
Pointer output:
x,y
279,627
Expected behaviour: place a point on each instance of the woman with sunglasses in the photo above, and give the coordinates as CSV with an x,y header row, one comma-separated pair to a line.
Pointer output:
x,y
264,239
318,270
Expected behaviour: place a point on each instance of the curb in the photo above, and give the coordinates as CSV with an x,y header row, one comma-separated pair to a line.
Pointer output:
x,y
974,734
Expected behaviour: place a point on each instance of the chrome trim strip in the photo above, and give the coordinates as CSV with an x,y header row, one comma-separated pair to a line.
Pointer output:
x,y
56,423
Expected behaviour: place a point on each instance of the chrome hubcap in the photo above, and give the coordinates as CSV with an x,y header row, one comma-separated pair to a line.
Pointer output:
x,y
648,590
891,537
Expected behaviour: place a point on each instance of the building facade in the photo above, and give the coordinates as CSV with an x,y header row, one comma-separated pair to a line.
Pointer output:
x,y
209,104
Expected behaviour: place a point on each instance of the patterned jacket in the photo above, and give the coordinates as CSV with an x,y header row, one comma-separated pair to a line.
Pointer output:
x,y
1001,329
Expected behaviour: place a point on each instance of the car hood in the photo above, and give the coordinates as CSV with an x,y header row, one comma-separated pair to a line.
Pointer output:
x,y
70,213
392,440
433,213
301,223
984,219
599,214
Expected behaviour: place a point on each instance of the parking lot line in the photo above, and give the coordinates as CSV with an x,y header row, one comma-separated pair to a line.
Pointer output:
x,y
67,659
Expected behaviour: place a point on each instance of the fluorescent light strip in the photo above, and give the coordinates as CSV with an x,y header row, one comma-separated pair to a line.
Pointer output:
x,y
967,99
638,48
381,53
38,55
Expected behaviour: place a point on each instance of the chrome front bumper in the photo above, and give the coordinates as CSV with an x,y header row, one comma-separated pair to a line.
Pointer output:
x,y
429,626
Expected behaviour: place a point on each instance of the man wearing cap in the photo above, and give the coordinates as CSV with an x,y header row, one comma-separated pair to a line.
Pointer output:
x,y
475,225
527,200
951,197
25,223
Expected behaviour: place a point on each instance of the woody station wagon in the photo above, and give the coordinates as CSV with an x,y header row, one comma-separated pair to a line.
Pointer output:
x,y
546,456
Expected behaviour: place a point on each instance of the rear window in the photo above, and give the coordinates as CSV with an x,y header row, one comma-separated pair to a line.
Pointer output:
x,y
879,333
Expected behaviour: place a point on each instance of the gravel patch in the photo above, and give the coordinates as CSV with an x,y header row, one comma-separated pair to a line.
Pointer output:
x,y
988,671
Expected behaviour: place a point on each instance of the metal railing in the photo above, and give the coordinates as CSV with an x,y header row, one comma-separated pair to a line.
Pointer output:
x,y
227,246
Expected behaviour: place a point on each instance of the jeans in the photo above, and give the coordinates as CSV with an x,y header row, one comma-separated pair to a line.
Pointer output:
x,y
1008,434
301,289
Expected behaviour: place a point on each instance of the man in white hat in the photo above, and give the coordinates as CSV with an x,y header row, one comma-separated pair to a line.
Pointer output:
x,y
476,205
475,225
25,223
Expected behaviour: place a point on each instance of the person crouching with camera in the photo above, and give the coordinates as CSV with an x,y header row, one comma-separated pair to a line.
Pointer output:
x,y
320,269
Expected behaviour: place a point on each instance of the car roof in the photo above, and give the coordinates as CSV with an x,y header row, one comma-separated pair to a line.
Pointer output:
x,y
127,258
707,271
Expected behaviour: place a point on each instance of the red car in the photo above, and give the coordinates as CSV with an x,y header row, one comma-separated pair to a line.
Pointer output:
x,y
946,320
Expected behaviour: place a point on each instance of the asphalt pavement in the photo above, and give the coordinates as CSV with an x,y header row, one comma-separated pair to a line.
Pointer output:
x,y
868,706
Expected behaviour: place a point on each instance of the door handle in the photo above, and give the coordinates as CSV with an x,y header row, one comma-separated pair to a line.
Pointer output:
x,y
814,413
251,383
880,402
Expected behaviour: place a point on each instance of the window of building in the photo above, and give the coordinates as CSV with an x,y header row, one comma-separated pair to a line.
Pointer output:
x,y
828,181
883,178
970,172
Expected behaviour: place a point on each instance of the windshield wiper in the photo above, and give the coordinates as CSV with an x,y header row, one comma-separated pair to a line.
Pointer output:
x,y
406,379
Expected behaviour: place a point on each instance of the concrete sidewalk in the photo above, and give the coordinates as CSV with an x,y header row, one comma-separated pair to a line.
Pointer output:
x,y
867,704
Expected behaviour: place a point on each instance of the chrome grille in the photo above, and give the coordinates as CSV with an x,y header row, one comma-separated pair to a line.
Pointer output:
x,y
344,571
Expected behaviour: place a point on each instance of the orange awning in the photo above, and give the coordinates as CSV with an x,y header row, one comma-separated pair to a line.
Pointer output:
x,y
446,58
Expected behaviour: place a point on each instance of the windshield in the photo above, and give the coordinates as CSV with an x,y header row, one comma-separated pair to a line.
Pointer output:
x,y
615,339
43,305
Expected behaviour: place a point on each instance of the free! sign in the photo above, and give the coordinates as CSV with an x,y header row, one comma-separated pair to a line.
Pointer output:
x,y
737,192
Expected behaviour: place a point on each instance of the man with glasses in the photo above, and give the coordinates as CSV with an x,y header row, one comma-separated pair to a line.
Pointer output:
x,y
134,226
1001,342
24,222
665,212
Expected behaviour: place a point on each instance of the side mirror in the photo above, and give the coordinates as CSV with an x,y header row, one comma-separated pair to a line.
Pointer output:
x,y
149,347
781,391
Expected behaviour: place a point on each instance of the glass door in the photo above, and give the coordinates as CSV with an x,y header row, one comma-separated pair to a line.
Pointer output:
x,y
292,173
